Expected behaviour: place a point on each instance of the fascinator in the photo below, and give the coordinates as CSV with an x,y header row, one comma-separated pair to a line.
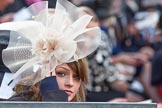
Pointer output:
x,y
50,38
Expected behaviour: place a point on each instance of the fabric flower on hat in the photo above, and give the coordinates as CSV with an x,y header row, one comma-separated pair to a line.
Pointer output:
x,y
51,37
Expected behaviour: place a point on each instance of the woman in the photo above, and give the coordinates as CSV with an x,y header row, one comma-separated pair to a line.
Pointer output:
x,y
67,85
58,42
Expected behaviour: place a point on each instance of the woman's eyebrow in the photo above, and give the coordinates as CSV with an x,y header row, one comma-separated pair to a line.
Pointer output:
x,y
65,68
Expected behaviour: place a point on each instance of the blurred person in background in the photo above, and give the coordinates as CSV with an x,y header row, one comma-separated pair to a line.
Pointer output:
x,y
134,51
17,11
3,5
156,75
101,73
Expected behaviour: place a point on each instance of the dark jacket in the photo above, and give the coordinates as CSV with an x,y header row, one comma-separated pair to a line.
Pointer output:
x,y
49,91
53,95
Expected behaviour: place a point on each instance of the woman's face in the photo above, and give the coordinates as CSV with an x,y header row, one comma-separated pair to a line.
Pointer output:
x,y
67,80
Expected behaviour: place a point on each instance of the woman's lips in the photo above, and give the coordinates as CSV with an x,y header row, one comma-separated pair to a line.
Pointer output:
x,y
68,92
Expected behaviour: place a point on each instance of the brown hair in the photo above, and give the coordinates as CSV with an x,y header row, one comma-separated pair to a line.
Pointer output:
x,y
80,67
33,93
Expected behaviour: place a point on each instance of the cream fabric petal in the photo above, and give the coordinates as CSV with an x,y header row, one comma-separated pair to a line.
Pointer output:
x,y
39,12
78,26
68,10
25,67
13,59
87,42
17,52
66,51
25,28
53,63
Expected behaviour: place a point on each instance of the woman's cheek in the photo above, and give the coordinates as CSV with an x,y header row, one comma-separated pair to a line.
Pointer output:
x,y
60,82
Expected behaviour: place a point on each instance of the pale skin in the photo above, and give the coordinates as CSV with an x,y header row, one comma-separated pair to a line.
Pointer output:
x,y
67,80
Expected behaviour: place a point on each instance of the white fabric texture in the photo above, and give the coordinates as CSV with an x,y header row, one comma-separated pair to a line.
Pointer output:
x,y
50,38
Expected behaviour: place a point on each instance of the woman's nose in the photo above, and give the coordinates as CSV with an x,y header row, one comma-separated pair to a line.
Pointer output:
x,y
69,82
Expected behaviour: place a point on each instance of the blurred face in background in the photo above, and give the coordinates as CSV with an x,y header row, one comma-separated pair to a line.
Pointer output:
x,y
132,28
5,3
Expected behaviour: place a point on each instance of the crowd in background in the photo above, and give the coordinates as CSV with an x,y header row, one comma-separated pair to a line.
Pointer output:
x,y
127,65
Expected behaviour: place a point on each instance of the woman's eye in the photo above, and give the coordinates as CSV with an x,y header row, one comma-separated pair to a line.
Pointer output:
x,y
60,74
